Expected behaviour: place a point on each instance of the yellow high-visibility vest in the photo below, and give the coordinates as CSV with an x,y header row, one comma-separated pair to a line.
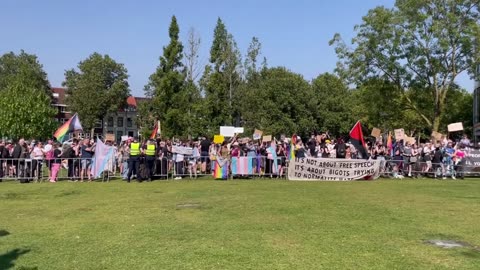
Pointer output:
x,y
134,149
150,150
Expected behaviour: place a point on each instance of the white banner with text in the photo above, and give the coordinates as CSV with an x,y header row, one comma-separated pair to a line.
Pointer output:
x,y
328,169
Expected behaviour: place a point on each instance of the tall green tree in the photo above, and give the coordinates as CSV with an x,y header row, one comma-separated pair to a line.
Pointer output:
x,y
333,104
26,112
167,89
97,88
25,69
221,79
281,102
418,43
25,98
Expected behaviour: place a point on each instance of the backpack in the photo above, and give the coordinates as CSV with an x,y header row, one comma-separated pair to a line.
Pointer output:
x,y
341,149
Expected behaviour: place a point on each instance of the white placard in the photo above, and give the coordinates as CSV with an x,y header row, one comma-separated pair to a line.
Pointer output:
x,y
182,150
239,130
227,131
330,169
455,127
124,138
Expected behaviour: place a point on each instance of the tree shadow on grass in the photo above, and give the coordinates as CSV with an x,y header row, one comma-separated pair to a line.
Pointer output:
x,y
7,259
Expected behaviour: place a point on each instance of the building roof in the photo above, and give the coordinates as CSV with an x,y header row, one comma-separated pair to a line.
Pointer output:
x,y
58,95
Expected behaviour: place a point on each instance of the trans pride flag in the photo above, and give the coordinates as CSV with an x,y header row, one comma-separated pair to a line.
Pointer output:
x,y
104,159
242,165
70,126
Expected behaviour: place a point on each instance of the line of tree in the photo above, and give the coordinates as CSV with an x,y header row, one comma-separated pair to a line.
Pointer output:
x,y
398,72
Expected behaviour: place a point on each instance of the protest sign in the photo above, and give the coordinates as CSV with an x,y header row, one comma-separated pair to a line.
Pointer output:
x,y
124,138
267,138
218,139
239,130
227,131
376,132
399,134
110,137
182,150
455,127
257,134
328,169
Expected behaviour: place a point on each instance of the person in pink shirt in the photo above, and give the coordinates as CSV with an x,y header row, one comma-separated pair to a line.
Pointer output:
x,y
459,161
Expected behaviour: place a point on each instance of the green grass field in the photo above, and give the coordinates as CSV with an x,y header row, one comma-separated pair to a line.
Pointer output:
x,y
240,224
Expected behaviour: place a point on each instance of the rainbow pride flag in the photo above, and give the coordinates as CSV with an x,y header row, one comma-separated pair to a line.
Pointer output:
x,y
293,143
71,125
221,170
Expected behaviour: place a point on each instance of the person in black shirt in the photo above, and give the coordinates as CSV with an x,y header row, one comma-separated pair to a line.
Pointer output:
x,y
204,147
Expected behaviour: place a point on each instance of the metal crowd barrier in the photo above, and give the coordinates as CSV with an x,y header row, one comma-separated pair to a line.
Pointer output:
x,y
238,167
33,170
42,170
401,168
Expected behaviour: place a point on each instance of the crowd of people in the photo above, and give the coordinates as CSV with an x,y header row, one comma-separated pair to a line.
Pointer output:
x,y
151,159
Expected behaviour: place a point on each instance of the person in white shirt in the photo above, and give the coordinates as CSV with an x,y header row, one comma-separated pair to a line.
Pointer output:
x,y
38,153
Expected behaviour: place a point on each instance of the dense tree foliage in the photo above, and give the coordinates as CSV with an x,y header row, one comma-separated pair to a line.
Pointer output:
x,y
25,99
23,68
418,44
97,88
26,112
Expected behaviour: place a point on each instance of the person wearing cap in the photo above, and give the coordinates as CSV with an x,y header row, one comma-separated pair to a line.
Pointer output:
x,y
133,161
150,150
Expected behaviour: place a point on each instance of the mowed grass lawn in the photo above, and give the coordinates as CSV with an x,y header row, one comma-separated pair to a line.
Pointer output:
x,y
240,224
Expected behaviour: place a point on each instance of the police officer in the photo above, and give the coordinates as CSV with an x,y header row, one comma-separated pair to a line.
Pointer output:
x,y
134,160
150,156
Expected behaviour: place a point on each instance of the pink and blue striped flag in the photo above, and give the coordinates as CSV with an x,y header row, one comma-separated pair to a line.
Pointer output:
x,y
104,158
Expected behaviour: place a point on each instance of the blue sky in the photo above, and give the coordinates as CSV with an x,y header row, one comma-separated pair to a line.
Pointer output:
x,y
293,34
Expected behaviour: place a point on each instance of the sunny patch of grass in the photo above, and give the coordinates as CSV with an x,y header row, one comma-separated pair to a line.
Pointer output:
x,y
240,224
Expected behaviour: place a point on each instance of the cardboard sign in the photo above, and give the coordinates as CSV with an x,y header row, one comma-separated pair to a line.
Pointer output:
x,y
218,139
227,131
257,134
376,132
399,134
239,130
267,138
455,127
110,137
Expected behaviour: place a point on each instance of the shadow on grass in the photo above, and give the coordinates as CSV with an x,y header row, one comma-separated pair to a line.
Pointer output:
x,y
7,259
68,193
473,254
4,233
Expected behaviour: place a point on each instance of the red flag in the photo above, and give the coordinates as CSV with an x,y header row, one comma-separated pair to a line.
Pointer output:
x,y
356,138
